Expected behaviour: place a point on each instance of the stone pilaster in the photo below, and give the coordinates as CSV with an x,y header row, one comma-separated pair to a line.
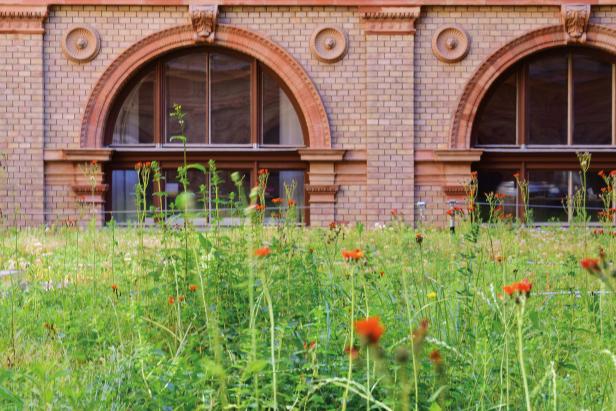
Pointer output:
x,y
22,114
390,34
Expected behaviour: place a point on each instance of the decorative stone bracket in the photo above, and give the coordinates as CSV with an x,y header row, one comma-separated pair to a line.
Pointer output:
x,y
447,168
389,20
321,174
204,19
16,19
64,168
575,18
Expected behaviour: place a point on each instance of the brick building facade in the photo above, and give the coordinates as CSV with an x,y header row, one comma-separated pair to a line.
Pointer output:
x,y
387,121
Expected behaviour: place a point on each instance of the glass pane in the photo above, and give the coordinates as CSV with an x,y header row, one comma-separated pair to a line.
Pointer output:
x,y
548,191
228,196
185,80
496,119
592,100
229,99
135,121
276,183
546,108
594,183
196,183
497,182
280,121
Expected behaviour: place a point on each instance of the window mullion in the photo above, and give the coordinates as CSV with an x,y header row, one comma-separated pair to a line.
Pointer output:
x,y
254,103
614,104
159,105
570,99
521,106
208,131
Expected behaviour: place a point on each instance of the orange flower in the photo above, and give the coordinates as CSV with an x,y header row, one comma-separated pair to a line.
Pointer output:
x,y
473,175
435,357
418,238
510,289
94,162
277,200
262,252
263,171
450,212
613,173
332,225
352,352
138,165
171,300
309,345
192,288
181,298
516,176
291,203
352,255
524,286
382,273
370,329
114,287
590,264
394,212
260,207
147,164
601,173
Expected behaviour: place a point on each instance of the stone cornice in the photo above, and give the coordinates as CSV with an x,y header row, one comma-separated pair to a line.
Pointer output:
x,y
22,19
333,3
389,20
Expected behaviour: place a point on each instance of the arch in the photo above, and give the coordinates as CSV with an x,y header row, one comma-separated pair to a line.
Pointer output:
x,y
600,37
255,45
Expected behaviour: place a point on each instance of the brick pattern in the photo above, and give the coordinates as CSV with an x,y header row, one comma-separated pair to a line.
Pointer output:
x,y
21,128
389,125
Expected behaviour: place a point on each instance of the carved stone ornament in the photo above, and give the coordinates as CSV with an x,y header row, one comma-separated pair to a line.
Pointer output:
x,y
329,44
203,18
16,19
322,188
81,43
451,44
575,20
390,20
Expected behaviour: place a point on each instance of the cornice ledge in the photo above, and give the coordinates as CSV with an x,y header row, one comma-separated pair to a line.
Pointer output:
x,y
321,154
457,155
22,19
389,20
78,154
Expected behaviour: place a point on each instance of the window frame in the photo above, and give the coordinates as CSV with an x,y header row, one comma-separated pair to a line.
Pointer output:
x,y
160,115
520,70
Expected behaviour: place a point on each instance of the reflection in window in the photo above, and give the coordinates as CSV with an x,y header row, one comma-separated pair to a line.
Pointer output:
x,y
497,182
547,100
496,119
135,120
280,122
123,183
547,193
229,100
186,85
592,99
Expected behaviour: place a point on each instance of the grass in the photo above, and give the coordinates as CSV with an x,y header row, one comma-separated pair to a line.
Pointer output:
x,y
114,318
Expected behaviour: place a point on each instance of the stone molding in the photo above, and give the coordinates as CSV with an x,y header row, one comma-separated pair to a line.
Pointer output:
x,y
329,44
446,168
575,18
16,19
81,43
451,44
289,70
389,20
204,19
326,188
597,36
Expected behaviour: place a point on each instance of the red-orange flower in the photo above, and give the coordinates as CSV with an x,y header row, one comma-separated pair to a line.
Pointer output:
x,y
435,357
510,289
181,298
260,207
262,252
370,329
418,238
192,288
352,352
309,345
333,225
516,175
171,300
114,287
94,162
263,171
601,173
613,173
394,212
352,255
277,200
590,264
291,203
524,286
138,165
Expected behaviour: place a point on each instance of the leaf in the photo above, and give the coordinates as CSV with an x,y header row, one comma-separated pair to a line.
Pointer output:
x,y
8,395
435,407
436,394
205,243
181,139
213,369
196,166
253,367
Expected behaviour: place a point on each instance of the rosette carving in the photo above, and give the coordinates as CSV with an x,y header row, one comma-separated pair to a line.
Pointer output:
x,y
451,44
329,44
81,43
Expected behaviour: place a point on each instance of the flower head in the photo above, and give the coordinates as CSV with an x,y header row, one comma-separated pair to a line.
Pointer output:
x,y
601,173
262,252
277,200
291,203
353,254
171,300
431,295
370,329
114,287
352,351
263,171
419,238
590,264
613,173
436,358
192,288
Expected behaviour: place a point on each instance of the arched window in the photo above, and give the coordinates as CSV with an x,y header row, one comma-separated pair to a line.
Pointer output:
x,y
238,113
536,117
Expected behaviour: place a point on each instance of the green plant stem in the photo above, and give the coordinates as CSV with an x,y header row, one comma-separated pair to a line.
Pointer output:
x,y
270,310
351,339
521,354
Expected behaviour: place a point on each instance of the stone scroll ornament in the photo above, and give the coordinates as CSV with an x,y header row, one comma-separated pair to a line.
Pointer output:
x,y
329,44
204,19
575,20
81,43
451,44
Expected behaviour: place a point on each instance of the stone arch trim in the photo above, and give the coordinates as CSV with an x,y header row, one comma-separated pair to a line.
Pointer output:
x,y
250,43
496,64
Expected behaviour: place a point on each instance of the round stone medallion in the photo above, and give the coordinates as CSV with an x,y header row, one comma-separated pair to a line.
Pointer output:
x,y
329,44
81,43
451,44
